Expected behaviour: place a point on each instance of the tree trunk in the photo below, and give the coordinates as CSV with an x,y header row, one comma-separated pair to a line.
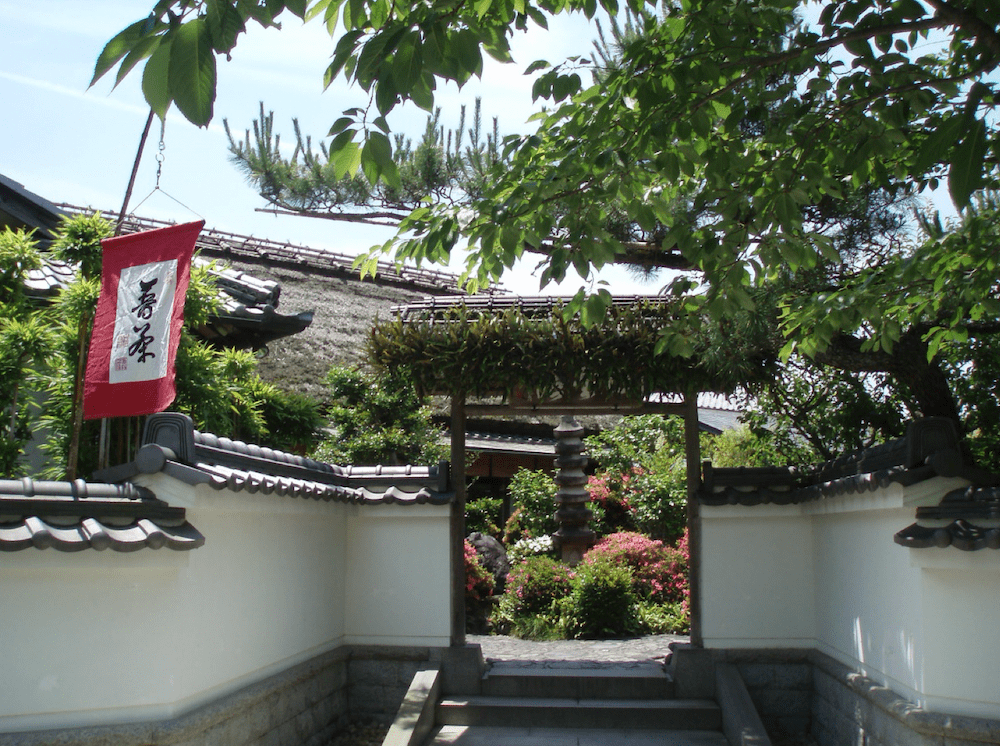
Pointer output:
x,y
921,380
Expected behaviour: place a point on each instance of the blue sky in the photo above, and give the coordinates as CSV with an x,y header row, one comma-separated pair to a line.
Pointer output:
x,y
70,144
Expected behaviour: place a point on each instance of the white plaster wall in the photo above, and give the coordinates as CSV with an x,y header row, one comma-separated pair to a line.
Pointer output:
x,y
86,637
961,614
104,637
757,588
398,575
267,597
827,574
868,598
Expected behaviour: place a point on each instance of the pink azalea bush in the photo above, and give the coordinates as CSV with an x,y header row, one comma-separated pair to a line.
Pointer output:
x,y
659,571
638,499
478,580
610,499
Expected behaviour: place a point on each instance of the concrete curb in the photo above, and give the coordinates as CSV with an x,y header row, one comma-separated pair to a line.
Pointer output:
x,y
415,718
741,724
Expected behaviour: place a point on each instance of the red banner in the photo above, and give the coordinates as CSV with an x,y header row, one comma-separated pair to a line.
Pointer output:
x,y
137,326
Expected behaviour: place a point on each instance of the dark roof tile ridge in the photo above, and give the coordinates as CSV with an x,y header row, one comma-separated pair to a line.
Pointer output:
x,y
960,533
852,484
929,447
173,446
255,454
301,467
76,489
35,532
506,437
967,518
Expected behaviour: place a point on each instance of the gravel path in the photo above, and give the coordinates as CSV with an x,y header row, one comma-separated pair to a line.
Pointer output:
x,y
574,653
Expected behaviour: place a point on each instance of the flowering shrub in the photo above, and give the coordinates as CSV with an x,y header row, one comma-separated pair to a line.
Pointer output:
x,y
642,469
478,580
659,502
651,502
482,514
659,572
535,583
663,619
603,603
609,496
626,584
533,498
529,547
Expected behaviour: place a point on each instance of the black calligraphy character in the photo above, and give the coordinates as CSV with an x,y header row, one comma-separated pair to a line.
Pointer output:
x,y
139,346
146,299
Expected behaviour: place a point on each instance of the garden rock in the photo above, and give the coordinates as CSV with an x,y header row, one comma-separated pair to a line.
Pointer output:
x,y
493,557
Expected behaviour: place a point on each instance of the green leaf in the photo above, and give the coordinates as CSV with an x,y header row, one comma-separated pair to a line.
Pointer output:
x,y
386,96
339,126
407,63
345,154
595,307
938,144
377,154
966,173
381,149
122,43
297,7
344,50
141,51
192,72
155,86
422,93
225,23
318,6
565,86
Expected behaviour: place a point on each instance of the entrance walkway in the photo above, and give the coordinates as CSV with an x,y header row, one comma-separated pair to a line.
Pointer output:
x,y
574,653
577,693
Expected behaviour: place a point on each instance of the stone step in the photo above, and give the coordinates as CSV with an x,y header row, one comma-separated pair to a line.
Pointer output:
x,y
529,712
636,682
461,735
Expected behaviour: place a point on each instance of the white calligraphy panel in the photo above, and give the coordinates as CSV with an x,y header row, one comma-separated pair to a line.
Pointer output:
x,y
139,348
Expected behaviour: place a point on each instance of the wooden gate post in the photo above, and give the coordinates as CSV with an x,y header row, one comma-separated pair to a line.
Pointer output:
x,y
692,456
457,523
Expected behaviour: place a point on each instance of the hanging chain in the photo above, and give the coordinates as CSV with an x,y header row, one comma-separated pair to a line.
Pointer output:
x,y
159,155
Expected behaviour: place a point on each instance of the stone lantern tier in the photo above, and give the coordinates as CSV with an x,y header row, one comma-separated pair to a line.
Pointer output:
x,y
574,536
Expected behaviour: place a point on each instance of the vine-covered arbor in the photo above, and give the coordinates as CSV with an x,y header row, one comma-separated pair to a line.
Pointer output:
x,y
516,355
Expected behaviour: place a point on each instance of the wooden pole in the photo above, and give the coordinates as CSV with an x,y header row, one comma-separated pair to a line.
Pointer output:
x,y
457,523
692,452
76,418
135,170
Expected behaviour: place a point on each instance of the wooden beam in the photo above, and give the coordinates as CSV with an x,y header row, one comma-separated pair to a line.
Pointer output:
x,y
576,406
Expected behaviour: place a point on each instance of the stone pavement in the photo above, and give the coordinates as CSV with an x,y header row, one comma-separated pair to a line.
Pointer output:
x,y
574,653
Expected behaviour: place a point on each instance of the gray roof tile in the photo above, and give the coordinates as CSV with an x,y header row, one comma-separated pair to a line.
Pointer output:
x,y
930,448
173,446
72,516
968,519
238,247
